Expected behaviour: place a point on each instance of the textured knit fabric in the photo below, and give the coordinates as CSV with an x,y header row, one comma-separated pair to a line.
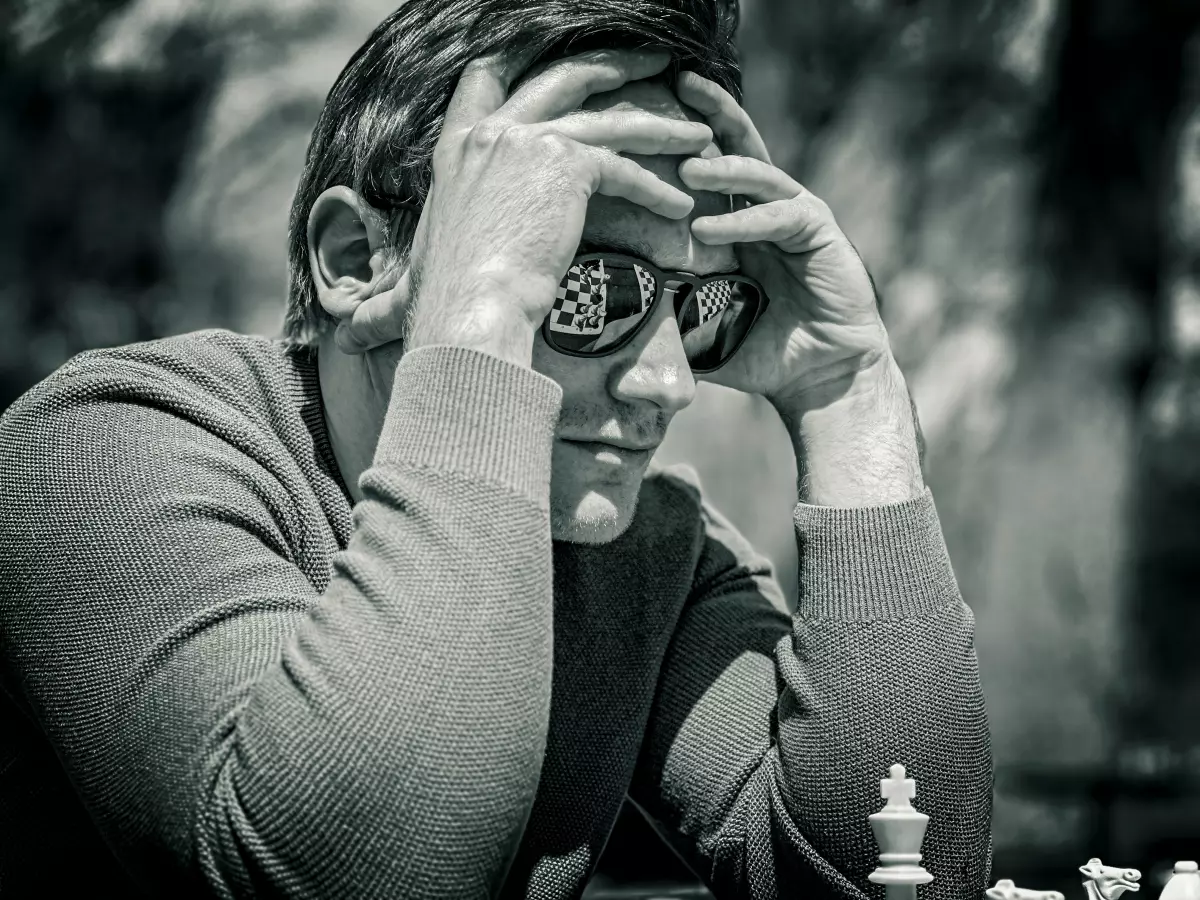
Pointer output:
x,y
220,679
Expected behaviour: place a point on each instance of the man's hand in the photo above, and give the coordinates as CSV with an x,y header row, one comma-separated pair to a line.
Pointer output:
x,y
820,353
822,324
511,181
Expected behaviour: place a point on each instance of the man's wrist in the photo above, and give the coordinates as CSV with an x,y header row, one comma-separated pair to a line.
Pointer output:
x,y
855,437
489,326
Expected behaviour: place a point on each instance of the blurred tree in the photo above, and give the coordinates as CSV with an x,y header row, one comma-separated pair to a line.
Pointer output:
x,y
1096,313
88,164
1162,733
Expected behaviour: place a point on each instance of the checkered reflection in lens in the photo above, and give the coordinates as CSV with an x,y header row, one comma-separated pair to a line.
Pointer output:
x,y
579,308
605,298
712,299
599,302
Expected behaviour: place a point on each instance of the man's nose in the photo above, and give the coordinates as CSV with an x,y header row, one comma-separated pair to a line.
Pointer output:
x,y
657,369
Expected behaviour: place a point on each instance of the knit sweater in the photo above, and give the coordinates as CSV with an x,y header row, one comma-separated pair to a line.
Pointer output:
x,y
221,678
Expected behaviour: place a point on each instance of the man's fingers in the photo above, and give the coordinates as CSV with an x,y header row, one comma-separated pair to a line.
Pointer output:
x,y
378,320
566,83
803,222
617,176
731,124
744,176
634,132
482,89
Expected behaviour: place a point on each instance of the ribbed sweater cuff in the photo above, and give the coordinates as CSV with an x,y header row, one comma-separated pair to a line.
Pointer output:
x,y
460,410
876,562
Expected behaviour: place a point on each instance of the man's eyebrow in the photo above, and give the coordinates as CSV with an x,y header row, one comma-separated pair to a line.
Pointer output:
x,y
635,247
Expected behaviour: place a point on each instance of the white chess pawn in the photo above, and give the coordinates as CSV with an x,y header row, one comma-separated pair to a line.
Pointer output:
x,y
899,830
1184,884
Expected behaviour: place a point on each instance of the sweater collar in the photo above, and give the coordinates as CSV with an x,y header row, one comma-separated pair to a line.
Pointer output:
x,y
304,385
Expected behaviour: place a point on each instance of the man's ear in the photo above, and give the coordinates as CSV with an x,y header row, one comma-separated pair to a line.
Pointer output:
x,y
345,250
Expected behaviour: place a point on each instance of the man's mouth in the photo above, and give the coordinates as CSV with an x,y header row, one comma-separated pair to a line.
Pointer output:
x,y
608,451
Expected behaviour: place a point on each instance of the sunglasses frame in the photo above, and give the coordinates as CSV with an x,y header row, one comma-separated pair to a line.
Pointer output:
x,y
662,277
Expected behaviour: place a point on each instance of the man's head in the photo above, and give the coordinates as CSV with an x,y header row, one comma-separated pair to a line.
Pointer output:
x,y
376,137
383,115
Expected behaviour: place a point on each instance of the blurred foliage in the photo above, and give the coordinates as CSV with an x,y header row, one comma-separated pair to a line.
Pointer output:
x,y
1022,178
59,32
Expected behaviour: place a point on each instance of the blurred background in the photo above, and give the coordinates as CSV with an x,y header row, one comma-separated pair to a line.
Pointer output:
x,y
1023,180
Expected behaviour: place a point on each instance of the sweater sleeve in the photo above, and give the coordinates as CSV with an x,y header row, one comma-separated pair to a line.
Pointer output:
x,y
769,737
232,731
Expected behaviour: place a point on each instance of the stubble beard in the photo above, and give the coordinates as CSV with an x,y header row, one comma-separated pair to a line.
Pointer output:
x,y
596,520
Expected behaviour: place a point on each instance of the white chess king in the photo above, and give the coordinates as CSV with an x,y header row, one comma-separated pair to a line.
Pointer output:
x,y
899,830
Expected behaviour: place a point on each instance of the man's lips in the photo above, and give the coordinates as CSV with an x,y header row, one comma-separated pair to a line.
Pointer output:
x,y
621,449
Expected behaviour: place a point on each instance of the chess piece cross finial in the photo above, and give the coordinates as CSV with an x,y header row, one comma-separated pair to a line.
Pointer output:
x,y
897,790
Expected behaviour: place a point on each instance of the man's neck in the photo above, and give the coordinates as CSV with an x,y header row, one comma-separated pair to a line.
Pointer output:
x,y
355,392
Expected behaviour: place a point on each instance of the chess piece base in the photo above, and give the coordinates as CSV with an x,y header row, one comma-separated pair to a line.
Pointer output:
x,y
900,875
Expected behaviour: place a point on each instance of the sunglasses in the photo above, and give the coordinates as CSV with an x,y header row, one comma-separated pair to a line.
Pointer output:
x,y
605,299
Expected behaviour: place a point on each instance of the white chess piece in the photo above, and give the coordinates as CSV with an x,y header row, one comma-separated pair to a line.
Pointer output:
x,y
1005,889
1184,884
899,830
1103,882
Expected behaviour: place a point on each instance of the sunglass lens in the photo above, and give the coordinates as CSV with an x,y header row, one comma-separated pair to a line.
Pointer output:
x,y
598,302
716,320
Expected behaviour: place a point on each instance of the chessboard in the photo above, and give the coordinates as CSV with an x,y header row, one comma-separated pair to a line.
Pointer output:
x,y
899,830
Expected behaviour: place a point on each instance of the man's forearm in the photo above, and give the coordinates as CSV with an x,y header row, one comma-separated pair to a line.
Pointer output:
x,y
855,439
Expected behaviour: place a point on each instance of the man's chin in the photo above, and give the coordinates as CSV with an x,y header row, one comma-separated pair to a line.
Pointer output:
x,y
592,519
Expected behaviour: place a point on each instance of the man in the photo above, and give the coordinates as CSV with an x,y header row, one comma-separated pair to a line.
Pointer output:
x,y
398,608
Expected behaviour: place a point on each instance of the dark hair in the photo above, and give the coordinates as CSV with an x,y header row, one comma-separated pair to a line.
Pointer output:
x,y
382,118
